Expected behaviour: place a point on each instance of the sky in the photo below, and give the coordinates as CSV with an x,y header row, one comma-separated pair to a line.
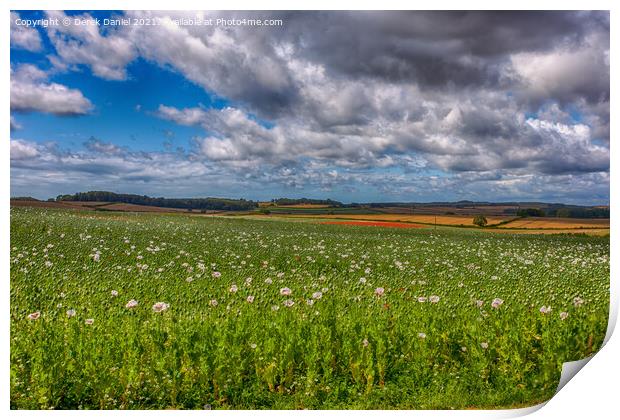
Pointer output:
x,y
352,106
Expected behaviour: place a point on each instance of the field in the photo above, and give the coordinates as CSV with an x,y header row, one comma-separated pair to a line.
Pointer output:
x,y
418,218
129,310
557,223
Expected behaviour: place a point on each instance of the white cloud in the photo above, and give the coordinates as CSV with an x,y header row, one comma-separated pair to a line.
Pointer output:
x,y
23,36
31,92
565,73
107,56
21,150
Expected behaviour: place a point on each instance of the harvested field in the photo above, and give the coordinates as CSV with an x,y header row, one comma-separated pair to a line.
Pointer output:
x,y
46,204
420,218
378,224
305,206
557,223
140,208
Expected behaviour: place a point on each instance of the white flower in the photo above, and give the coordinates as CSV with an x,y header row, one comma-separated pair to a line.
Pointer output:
x,y
421,335
433,299
131,304
216,274
545,309
497,302
71,313
233,288
285,291
114,293
250,299
213,302
484,345
577,302
89,321
96,257
309,302
34,315
160,307
379,291
365,342
317,295
275,307
563,315
268,280
422,299
253,345
479,303
189,279
288,303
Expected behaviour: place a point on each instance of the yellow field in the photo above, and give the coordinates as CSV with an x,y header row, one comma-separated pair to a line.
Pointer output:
x,y
527,225
420,218
557,223
305,206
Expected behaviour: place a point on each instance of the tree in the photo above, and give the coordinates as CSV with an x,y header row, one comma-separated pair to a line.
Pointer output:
x,y
480,220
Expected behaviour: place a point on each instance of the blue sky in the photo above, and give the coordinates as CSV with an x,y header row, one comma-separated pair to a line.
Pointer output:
x,y
315,106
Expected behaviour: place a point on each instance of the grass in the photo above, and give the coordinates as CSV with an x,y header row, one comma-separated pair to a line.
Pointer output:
x,y
349,347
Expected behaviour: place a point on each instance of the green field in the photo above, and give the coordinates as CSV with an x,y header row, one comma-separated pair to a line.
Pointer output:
x,y
400,318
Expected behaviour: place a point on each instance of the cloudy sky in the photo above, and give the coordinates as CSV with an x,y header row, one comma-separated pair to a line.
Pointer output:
x,y
353,106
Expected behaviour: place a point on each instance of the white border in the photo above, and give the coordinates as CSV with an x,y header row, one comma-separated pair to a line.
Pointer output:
x,y
591,394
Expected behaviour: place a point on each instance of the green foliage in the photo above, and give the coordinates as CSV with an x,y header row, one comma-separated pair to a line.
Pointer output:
x,y
531,212
480,220
351,348
582,213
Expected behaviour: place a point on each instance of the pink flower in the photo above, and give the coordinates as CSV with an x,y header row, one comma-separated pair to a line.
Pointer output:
x,y
89,321
479,303
288,303
317,295
160,307
545,309
71,313
213,302
216,274
285,291
577,302
250,299
379,291
114,293
497,302
131,304
34,315
422,299
233,288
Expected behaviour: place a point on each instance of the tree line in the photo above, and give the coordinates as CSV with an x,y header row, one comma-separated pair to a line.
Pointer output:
x,y
178,203
298,201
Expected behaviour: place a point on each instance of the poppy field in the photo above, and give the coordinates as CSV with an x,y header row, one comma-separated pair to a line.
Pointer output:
x,y
151,311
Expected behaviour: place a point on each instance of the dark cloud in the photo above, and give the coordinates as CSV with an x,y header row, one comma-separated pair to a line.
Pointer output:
x,y
344,100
